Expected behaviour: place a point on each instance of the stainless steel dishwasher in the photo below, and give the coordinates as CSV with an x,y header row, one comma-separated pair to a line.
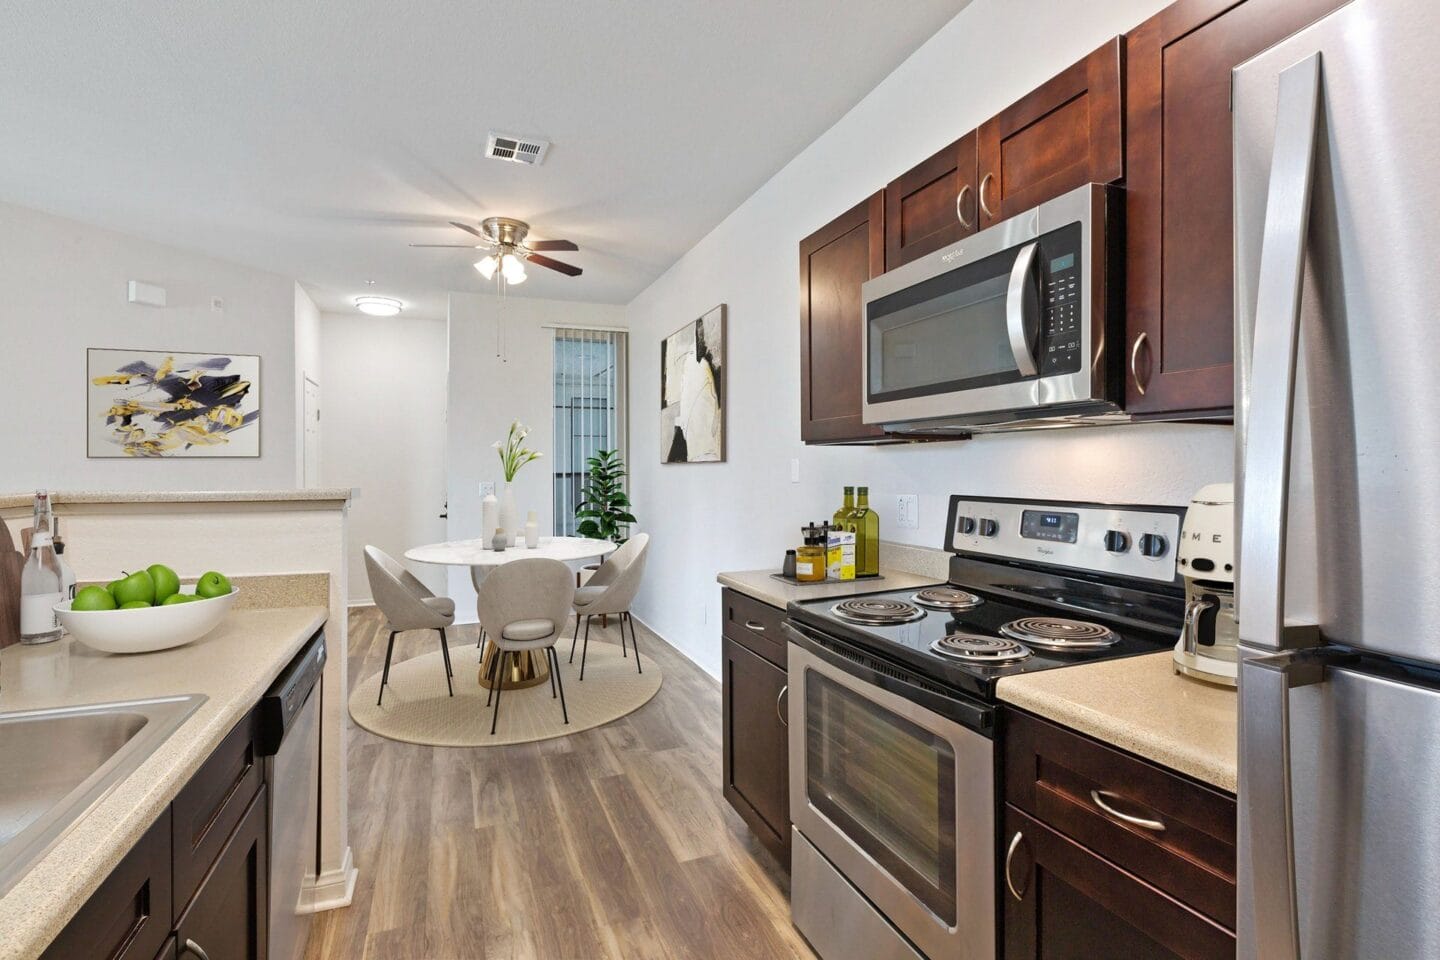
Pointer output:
x,y
290,743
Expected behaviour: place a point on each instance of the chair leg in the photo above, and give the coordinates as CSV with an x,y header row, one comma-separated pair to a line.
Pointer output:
x,y
494,674
555,659
499,689
634,641
445,652
385,677
481,642
576,637
623,653
584,649
553,671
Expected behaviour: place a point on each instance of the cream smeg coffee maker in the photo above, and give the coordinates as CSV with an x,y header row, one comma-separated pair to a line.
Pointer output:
x,y
1206,554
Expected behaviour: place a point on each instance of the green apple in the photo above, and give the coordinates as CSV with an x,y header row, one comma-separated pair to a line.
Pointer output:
x,y
212,585
178,598
167,582
111,588
135,605
135,586
93,598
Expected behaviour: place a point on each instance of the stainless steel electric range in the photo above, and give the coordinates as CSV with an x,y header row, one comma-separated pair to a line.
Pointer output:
x,y
894,728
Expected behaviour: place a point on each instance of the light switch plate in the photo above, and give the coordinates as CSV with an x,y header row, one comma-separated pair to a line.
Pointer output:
x,y
907,514
487,488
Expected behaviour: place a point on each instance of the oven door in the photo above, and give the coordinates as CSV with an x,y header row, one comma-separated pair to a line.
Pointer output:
x,y
894,785
1002,325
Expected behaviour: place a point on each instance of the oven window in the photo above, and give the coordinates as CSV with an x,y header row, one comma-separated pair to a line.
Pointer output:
x,y
887,784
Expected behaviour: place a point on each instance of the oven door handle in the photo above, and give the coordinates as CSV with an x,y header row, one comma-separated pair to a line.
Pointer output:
x,y
973,716
1022,310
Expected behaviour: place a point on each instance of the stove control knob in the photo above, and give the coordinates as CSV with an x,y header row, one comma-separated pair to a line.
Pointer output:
x,y
965,525
1117,541
988,528
1153,545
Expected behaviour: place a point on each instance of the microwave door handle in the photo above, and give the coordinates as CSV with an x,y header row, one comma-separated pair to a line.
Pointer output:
x,y
1022,304
1267,872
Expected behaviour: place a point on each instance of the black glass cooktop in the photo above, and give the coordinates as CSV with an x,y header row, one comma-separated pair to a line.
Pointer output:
x,y
1148,624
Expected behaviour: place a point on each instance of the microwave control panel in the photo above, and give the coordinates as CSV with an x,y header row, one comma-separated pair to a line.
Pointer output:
x,y
1061,292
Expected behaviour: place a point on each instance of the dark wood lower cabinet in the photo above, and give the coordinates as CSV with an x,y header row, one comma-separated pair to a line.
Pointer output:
x,y
228,918
756,746
1062,902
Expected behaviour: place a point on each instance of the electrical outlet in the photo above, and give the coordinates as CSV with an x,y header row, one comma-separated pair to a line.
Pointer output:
x,y
907,514
487,488
794,469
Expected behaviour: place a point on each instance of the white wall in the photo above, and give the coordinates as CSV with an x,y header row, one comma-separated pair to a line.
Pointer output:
x,y
307,364
65,291
745,513
383,405
488,391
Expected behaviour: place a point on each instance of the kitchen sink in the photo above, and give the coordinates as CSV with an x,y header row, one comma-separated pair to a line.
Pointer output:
x,y
55,765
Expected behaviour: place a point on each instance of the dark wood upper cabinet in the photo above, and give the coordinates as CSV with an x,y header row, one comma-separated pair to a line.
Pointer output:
x,y
1066,133
932,205
1179,268
834,261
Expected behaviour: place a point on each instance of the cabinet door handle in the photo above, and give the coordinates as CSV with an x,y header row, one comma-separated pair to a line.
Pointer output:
x,y
1098,798
1135,361
778,712
192,947
1009,856
755,625
960,207
983,205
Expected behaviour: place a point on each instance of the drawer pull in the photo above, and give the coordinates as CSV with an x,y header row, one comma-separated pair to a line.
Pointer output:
x,y
755,625
1009,856
778,712
1098,797
192,947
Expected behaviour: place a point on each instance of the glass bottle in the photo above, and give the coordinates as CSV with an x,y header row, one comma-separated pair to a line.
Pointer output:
x,y
837,522
40,589
44,516
866,523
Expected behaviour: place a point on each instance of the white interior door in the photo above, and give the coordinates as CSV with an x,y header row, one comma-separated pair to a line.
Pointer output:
x,y
312,433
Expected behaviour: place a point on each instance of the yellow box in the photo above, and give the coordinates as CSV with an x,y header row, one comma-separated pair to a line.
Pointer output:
x,y
840,555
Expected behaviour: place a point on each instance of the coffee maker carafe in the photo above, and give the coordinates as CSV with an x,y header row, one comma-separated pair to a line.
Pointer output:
x,y
1206,555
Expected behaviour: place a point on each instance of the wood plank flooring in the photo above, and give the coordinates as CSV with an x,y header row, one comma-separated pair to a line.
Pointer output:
x,y
610,843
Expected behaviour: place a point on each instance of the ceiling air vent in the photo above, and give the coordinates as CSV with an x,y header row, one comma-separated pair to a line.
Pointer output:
x,y
529,151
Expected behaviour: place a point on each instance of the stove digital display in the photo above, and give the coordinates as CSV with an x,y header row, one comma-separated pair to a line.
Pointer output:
x,y
1045,525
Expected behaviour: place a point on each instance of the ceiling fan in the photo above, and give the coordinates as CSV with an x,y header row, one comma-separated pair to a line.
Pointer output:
x,y
508,251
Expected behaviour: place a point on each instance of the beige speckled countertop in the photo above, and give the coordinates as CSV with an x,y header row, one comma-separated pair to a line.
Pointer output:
x,y
59,497
1141,705
232,666
765,588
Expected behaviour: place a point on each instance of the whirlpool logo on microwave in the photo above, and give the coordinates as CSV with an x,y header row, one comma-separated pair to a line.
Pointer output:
x,y
952,256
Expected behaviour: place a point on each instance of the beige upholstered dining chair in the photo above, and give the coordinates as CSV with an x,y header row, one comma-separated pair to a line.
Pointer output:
x,y
523,605
611,591
407,604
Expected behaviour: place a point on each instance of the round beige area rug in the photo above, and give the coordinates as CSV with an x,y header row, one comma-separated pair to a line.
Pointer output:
x,y
417,708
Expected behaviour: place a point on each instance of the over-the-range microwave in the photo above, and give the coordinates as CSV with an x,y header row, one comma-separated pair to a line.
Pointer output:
x,y
1016,326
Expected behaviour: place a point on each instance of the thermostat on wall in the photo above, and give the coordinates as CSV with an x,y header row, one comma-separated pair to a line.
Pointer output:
x,y
147,293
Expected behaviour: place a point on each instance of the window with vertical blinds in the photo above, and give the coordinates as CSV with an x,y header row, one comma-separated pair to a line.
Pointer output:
x,y
589,411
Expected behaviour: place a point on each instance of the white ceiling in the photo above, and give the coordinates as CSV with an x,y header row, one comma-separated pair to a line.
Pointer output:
x,y
318,139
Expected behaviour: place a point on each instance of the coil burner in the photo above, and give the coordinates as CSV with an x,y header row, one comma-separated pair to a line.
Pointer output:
x,y
980,649
876,611
947,598
1057,633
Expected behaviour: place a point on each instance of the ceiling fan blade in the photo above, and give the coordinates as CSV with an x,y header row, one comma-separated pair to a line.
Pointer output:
x,y
465,246
467,228
556,265
551,245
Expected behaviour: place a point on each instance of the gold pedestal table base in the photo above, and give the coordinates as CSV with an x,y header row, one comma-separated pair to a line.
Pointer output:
x,y
524,668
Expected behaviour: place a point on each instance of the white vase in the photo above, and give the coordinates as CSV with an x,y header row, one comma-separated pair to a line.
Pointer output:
x,y
532,530
509,514
489,518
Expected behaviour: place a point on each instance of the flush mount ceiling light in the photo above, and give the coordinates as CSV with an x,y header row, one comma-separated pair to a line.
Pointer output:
x,y
378,306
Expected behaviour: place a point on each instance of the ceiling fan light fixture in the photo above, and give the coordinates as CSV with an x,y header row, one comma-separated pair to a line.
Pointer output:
x,y
379,306
512,269
486,265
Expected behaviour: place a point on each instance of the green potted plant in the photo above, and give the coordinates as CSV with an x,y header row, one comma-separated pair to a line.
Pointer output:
x,y
604,508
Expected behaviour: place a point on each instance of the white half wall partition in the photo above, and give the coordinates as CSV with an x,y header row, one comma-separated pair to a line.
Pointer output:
x,y
501,369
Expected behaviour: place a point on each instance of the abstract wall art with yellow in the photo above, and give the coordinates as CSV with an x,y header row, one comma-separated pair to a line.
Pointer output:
x,y
145,403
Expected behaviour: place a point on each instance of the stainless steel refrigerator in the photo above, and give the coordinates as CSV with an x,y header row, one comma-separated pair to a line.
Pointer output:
x,y
1337,260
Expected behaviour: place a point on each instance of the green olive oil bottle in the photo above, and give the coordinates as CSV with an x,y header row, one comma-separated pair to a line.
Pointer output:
x,y
866,524
838,521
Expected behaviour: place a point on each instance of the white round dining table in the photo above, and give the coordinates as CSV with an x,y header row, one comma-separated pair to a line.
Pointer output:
x,y
526,669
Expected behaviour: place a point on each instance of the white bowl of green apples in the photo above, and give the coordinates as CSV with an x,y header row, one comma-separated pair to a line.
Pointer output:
x,y
146,610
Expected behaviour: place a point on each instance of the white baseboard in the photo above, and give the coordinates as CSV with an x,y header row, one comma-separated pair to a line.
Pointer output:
x,y
333,888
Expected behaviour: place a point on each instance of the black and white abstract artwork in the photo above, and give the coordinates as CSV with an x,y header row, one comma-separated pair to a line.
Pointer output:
x,y
158,404
692,391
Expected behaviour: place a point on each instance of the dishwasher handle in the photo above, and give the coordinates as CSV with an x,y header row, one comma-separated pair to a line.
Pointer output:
x,y
289,693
